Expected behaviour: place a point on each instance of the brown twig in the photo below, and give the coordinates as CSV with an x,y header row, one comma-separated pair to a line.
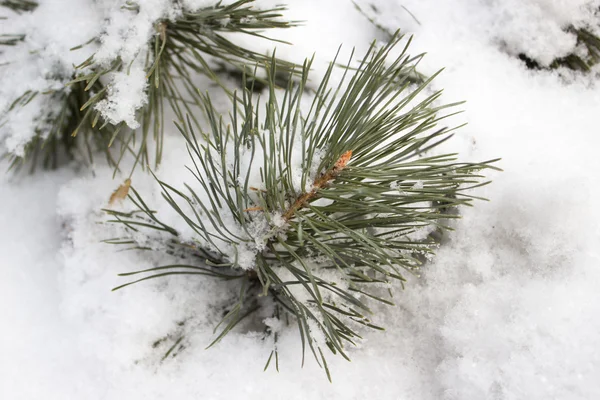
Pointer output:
x,y
319,183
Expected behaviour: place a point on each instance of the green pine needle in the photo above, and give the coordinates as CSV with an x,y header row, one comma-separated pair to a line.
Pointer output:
x,y
371,184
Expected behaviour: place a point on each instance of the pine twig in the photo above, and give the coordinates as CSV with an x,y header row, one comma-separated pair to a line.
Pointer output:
x,y
318,184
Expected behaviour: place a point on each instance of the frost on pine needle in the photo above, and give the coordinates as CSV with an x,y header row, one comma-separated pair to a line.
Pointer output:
x,y
323,251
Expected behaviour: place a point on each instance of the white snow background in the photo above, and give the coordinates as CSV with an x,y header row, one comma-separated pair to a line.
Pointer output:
x,y
509,309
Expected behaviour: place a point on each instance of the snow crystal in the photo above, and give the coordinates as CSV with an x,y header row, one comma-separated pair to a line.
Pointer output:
x,y
274,324
128,33
246,255
126,95
278,220
418,185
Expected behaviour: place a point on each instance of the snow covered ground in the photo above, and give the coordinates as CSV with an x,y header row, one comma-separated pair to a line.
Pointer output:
x,y
509,309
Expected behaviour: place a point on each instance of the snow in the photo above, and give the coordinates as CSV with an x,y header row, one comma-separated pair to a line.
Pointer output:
x,y
506,310
536,28
126,95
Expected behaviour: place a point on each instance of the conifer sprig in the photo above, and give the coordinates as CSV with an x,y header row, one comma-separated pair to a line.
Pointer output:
x,y
347,191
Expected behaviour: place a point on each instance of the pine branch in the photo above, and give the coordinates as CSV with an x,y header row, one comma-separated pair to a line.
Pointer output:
x,y
583,61
345,187
586,40
180,51
183,49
